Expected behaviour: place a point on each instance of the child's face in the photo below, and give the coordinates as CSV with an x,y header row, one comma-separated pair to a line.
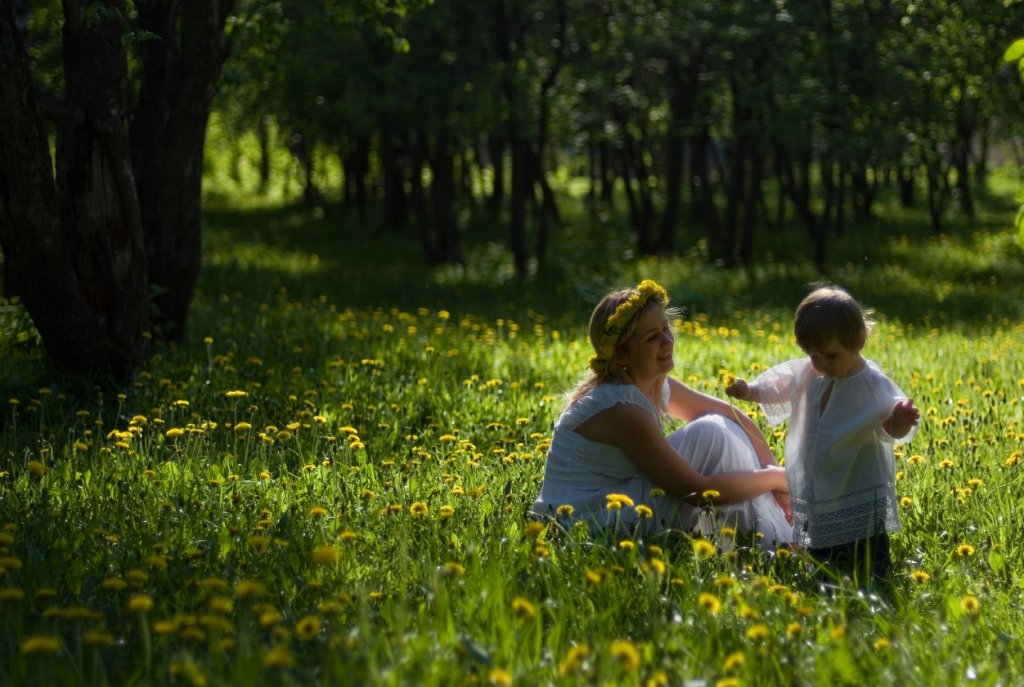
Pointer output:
x,y
834,360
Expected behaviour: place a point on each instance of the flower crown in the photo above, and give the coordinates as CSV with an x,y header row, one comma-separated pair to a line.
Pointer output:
x,y
616,324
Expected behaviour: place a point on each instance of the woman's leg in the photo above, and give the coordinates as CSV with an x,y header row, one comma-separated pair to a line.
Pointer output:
x,y
715,444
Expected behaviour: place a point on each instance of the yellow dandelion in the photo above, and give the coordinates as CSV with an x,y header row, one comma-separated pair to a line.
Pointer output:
x,y
279,657
592,577
733,661
727,682
236,394
709,602
794,629
965,551
728,531
881,644
617,501
243,426
906,502
702,548
11,594
565,510
920,576
317,512
837,632
657,492
970,605
445,512
499,677
574,659
758,632
250,589
658,566
454,568
946,464
98,636
627,544
419,510
40,644
626,653
325,556
140,603
114,584
710,494
37,468
308,627
644,512
523,608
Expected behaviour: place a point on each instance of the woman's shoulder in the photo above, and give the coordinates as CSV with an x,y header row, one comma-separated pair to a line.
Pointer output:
x,y
604,397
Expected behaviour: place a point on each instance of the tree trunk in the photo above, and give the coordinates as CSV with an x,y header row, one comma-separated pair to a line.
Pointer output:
x,y
180,70
73,245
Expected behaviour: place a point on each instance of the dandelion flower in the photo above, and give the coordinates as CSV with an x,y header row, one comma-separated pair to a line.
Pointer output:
x,y
644,512
626,653
250,589
308,627
446,512
906,502
970,605
794,629
617,501
881,644
965,551
523,608
710,494
418,510
174,433
40,644
733,661
574,659
279,657
317,512
627,544
325,556
454,568
709,602
11,594
703,548
758,632
499,677
37,468
98,636
920,576
565,510
140,603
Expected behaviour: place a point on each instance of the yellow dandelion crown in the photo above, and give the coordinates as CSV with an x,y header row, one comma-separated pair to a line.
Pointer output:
x,y
616,324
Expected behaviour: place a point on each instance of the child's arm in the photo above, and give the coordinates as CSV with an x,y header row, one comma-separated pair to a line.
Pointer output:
x,y
904,416
739,388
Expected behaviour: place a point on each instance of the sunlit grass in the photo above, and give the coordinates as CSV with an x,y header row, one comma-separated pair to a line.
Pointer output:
x,y
325,484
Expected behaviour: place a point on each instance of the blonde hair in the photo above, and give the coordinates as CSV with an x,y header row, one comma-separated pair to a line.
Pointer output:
x,y
830,313
609,373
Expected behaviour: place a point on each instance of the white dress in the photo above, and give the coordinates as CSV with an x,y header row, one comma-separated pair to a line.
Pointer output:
x,y
582,473
839,461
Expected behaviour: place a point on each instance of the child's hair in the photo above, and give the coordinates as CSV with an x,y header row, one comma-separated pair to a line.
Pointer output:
x,y
830,313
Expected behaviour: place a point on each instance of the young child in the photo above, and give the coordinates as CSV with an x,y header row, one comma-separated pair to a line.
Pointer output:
x,y
845,416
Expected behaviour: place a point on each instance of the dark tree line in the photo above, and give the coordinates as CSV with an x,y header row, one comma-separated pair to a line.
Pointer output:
x,y
700,120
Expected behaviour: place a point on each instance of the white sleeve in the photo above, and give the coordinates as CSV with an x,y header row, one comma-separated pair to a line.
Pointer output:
x,y
775,388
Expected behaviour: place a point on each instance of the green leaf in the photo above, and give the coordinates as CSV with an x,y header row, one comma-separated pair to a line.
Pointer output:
x,y
1015,51
996,561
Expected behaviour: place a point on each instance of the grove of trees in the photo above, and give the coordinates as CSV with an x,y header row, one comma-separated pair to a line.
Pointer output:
x,y
710,119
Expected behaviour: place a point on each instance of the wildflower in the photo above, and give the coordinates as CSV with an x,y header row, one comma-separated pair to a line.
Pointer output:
x,y
758,632
40,644
236,394
98,636
965,551
658,566
419,510
308,627
793,629
617,501
446,512
523,608
906,502
626,653
970,605
657,492
317,512
250,589
881,644
592,577
573,660
114,584
733,661
279,657
37,468
325,556
837,632
728,531
454,568
140,603
11,594
242,426
533,530
727,682
710,494
703,548
627,545
644,512
920,576
709,602
946,464
499,677
174,433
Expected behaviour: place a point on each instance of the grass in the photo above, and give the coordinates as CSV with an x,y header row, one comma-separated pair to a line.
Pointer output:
x,y
327,481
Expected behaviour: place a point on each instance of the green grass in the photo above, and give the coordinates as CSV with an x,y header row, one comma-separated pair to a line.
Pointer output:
x,y
327,481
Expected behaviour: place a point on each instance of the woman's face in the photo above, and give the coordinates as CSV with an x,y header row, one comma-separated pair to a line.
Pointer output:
x,y
648,352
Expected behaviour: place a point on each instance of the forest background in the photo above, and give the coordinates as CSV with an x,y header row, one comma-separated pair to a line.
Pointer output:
x,y
292,290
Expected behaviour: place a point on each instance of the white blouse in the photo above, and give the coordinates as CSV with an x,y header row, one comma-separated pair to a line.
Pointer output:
x,y
839,460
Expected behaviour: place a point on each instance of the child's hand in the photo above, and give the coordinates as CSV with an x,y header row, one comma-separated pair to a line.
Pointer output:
x,y
904,416
738,388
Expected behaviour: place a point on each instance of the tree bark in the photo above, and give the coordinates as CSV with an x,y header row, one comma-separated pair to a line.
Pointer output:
x,y
73,243
180,69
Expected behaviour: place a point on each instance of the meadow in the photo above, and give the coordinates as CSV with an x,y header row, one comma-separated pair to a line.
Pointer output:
x,y
328,480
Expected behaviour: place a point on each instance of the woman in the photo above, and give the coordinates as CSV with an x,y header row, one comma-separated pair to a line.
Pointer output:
x,y
610,462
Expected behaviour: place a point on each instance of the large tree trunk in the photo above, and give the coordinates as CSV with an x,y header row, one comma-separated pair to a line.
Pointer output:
x,y
180,69
73,245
